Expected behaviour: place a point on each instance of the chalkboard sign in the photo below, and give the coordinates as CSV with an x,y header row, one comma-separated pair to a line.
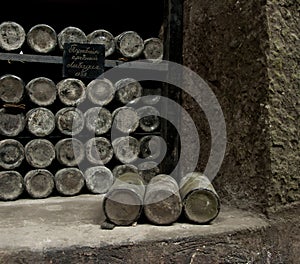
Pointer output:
x,y
83,61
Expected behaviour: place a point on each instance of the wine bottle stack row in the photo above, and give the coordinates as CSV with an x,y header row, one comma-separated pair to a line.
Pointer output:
x,y
44,39
41,152
162,201
71,121
43,91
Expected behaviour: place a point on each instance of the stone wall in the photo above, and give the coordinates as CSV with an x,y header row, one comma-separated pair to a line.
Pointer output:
x,y
284,105
246,51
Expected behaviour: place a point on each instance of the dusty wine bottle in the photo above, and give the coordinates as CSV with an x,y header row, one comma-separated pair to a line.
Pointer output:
x,y
11,185
99,150
126,149
201,203
98,120
153,49
69,121
162,202
11,154
69,151
128,90
40,121
129,44
124,168
149,118
39,183
12,35
41,38
39,153
99,179
150,147
11,124
125,119
148,170
123,203
69,181
71,91
100,91
71,34
104,37
11,88
41,91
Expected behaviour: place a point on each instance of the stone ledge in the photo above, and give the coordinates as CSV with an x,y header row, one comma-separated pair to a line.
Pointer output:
x,y
67,230
40,236
81,209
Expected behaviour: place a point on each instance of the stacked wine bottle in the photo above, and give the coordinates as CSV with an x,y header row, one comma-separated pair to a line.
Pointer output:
x,y
56,138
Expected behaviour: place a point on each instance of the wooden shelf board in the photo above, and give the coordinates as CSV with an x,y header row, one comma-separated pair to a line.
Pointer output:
x,y
59,60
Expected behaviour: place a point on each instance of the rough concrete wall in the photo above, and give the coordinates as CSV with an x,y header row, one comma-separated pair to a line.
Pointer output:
x,y
225,42
284,105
